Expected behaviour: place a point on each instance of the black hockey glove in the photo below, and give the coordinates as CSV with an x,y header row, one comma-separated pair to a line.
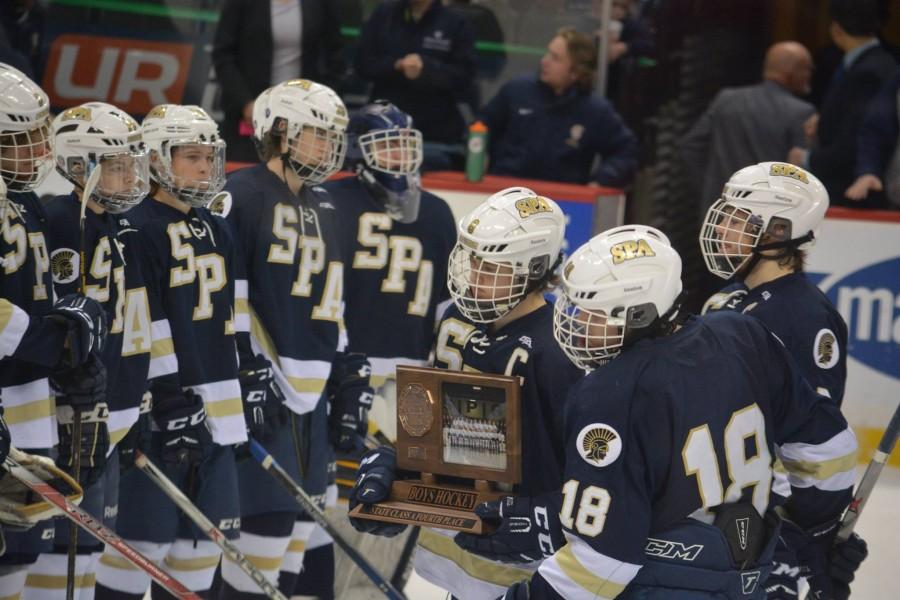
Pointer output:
x,y
182,422
86,322
139,437
264,408
376,474
528,529
82,390
829,566
351,398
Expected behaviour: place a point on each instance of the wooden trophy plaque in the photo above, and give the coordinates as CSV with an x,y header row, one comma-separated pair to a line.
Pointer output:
x,y
461,433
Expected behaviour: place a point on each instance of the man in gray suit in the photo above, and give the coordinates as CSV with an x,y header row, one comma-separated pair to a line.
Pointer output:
x,y
756,123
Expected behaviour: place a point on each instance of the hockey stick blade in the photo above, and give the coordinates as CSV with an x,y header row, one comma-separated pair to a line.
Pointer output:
x,y
268,462
94,527
873,471
229,550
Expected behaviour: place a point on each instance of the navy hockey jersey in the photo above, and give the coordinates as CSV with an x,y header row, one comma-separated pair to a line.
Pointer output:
x,y
189,261
26,282
524,348
395,276
289,268
113,278
675,426
804,320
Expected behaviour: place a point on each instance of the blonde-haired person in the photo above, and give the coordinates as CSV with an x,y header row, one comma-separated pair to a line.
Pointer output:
x,y
549,126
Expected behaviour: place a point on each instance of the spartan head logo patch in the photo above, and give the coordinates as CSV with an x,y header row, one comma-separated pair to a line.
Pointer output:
x,y
826,351
599,444
221,204
64,264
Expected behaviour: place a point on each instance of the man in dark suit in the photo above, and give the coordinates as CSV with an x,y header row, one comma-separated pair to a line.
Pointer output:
x,y
865,68
751,124
245,48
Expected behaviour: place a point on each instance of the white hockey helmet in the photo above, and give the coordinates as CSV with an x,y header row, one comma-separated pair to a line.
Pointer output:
x,y
781,201
506,246
620,286
97,134
26,152
314,120
170,127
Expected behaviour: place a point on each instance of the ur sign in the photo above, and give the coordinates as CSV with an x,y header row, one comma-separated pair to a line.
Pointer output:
x,y
135,75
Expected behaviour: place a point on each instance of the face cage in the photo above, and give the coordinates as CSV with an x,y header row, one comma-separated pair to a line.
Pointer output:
x,y
392,151
316,154
116,172
743,229
27,157
588,338
476,287
197,193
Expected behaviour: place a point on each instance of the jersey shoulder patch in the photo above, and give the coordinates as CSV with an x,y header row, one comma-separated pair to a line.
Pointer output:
x,y
826,350
65,265
599,444
221,204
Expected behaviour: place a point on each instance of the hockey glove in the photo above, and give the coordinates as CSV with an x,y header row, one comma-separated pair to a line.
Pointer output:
x,y
182,422
264,408
82,390
376,474
528,529
830,566
351,398
86,322
139,437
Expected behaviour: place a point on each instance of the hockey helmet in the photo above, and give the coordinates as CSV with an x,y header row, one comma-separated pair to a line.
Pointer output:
x,y
312,118
618,287
766,206
26,152
97,134
386,152
507,246
188,130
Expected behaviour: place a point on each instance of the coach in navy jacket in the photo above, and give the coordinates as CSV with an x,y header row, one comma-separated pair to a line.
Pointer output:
x,y
421,57
550,126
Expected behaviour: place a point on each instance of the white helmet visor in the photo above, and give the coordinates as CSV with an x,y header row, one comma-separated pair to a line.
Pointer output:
x,y
317,153
482,289
392,151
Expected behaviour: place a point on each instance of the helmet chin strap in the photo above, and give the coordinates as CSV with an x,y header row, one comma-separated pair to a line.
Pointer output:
x,y
784,245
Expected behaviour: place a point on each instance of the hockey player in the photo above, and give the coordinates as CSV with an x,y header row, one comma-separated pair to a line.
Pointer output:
x,y
396,241
507,255
670,441
290,272
187,256
98,149
757,235
36,335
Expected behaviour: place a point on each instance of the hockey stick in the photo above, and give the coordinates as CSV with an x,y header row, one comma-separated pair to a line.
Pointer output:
x,y
404,564
864,489
89,186
87,522
230,551
267,462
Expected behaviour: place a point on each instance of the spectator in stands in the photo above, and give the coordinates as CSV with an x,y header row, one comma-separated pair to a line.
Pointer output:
x,y
752,124
550,127
23,22
877,156
420,56
865,68
261,43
